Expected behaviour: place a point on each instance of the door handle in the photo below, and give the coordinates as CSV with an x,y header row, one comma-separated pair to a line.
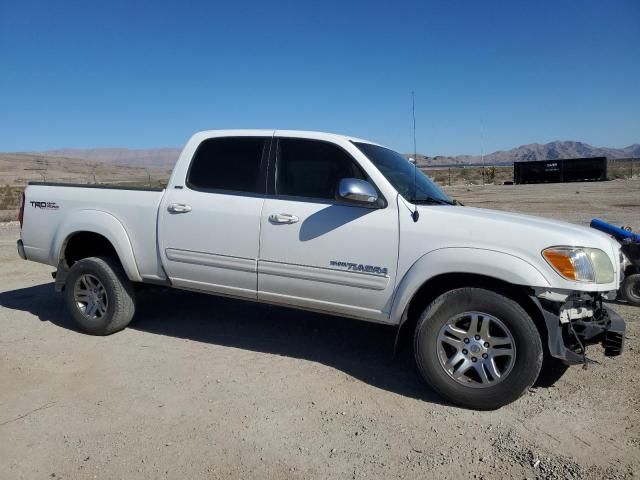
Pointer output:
x,y
179,208
283,218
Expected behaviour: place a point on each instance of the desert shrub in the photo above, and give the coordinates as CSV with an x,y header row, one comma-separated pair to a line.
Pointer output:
x,y
5,198
9,197
490,174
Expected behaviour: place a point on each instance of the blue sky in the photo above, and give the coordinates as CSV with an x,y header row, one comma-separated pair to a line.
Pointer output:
x,y
148,74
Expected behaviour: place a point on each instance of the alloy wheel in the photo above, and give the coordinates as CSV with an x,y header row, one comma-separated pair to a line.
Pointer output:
x,y
90,297
476,349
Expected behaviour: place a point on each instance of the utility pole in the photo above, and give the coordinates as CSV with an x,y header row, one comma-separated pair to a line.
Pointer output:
x,y
39,170
93,172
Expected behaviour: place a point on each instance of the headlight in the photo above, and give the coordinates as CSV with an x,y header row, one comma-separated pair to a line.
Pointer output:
x,y
580,264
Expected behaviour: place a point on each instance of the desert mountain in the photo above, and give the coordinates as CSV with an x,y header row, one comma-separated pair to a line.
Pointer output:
x,y
154,157
166,157
20,168
535,151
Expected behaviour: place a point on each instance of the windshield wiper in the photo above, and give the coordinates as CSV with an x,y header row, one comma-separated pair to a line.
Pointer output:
x,y
430,201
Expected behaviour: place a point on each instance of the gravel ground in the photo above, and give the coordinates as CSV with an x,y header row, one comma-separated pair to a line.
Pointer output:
x,y
203,387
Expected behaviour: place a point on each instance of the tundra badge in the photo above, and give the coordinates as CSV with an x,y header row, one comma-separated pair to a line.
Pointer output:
x,y
359,267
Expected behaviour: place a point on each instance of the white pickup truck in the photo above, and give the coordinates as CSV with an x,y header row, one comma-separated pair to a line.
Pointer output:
x,y
340,225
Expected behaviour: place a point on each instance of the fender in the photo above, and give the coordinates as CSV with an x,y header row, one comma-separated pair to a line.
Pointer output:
x,y
102,223
491,263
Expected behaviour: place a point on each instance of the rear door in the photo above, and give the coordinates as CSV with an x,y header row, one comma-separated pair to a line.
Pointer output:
x,y
317,252
210,225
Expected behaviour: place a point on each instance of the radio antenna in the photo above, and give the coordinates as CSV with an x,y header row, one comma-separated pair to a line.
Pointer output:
x,y
415,215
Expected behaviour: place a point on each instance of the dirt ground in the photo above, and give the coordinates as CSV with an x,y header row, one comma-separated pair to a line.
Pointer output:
x,y
617,201
203,387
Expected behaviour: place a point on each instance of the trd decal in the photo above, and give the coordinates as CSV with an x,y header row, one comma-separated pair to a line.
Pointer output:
x,y
45,205
359,267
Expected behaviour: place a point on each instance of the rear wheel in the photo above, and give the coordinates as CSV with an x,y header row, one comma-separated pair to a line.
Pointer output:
x,y
99,295
477,348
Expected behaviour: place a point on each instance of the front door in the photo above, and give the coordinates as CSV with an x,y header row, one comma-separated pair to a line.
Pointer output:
x,y
320,253
210,226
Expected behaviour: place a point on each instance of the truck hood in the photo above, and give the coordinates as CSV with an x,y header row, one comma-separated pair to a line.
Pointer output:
x,y
524,236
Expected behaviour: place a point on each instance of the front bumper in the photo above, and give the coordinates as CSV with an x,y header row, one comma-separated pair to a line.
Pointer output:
x,y
568,341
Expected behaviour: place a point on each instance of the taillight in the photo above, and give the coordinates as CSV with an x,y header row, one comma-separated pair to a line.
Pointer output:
x,y
21,211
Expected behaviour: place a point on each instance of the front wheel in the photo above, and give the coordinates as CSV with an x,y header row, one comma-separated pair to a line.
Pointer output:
x,y
99,295
477,348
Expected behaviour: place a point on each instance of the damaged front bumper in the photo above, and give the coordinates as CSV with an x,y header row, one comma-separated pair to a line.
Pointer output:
x,y
579,321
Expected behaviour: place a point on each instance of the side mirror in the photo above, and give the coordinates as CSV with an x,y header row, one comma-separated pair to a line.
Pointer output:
x,y
357,191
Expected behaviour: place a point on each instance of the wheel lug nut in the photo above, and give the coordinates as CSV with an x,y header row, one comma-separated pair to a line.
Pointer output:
x,y
484,355
486,344
474,359
466,340
464,350
477,337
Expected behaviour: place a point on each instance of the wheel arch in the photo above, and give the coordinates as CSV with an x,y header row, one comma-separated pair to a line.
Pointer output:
x,y
94,233
447,269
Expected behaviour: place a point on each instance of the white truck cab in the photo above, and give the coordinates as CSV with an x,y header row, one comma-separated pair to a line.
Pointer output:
x,y
344,226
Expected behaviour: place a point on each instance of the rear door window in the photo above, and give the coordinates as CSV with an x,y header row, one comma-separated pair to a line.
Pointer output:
x,y
230,164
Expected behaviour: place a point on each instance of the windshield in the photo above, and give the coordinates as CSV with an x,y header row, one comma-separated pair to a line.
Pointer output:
x,y
401,172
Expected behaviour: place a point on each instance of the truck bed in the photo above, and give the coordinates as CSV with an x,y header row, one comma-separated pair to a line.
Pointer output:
x,y
51,209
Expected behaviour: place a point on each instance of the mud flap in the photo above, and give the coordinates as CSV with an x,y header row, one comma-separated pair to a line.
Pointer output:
x,y
60,277
614,335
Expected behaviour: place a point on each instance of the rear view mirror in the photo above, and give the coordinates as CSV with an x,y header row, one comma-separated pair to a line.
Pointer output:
x,y
357,191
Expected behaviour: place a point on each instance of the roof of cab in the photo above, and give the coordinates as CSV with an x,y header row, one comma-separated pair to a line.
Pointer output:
x,y
281,133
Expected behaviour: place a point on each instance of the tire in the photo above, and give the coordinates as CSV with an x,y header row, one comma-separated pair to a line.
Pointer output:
x,y
511,366
630,289
114,303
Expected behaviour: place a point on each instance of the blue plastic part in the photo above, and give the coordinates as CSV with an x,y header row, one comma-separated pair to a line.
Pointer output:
x,y
618,233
